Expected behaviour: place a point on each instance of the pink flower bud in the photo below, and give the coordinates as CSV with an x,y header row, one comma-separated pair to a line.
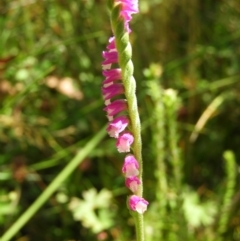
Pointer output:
x,y
124,142
115,107
138,204
130,166
112,90
111,44
110,57
112,75
132,183
117,125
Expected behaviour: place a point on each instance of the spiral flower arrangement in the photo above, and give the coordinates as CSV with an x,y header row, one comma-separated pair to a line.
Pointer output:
x,y
119,87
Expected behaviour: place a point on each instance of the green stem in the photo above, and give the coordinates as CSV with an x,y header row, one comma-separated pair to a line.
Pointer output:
x,y
171,102
140,227
124,49
43,198
158,148
231,172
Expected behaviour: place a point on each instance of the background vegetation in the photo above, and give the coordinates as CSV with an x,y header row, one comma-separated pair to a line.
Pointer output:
x,y
51,107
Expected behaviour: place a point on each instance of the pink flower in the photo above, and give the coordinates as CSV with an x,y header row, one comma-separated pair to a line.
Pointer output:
x,y
130,166
117,125
115,107
132,183
138,204
112,75
124,142
111,57
111,45
112,90
129,7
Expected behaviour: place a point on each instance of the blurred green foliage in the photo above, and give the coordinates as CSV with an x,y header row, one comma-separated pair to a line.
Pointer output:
x,y
51,105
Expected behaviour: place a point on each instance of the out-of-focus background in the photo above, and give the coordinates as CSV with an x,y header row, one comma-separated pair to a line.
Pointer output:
x,y
51,106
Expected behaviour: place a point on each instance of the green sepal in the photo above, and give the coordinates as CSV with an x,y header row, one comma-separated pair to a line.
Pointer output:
x,y
115,14
125,50
119,31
